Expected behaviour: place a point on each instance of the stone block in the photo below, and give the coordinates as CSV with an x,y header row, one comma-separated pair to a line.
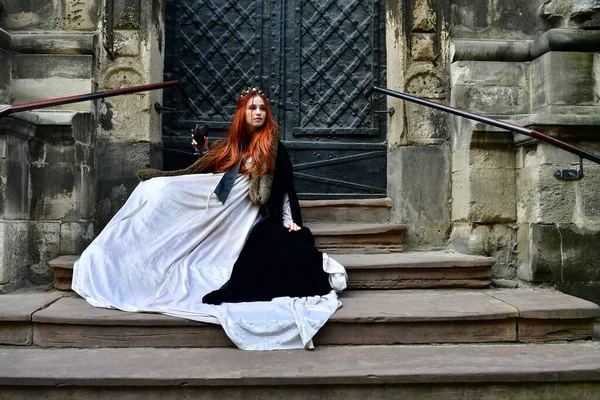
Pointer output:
x,y
426,125
126,14
489,73
587,203
42,66
126,117
541,198
545,153
84,192
84,129
539,253
421,48
16,204
484,195
421,206
559,254
562,78
469,15
461,195
127,43
474,158
75,237
80,15
580,254
53,196
491,100
462,132
5,77
493,240
424,17
28,90
13,254
53,43
509,19
516,16
44,239
31,15
53,152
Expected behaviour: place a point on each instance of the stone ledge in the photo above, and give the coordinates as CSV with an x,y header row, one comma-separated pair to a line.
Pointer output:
x,y
47,66
76,311
353,229
22,304
525,50
414,270
425,259
420,305
327,366
350,210
485,135
358,237
367,317
54,43
547,305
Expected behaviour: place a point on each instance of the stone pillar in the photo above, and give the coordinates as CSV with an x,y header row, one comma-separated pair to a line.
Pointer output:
x,y
129,132
418,157
15,134
62,185
483,164
5,67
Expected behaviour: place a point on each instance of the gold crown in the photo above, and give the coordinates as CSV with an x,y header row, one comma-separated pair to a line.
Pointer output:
x,y
252,90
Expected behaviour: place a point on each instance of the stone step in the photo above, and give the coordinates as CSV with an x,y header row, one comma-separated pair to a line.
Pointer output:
x,y
358,237
412,270
56,319
347,210
453,372
416,270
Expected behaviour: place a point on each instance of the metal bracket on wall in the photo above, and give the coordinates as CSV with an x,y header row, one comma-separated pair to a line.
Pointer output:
x,y
159,108
570,174
389,112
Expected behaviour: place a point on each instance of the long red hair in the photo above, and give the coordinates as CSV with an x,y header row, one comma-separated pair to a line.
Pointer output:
x,y
259,142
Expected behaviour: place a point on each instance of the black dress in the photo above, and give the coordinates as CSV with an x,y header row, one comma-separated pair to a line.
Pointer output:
x,y
275,262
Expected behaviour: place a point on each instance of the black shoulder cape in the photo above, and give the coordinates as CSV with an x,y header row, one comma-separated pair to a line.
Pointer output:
x,y
275,262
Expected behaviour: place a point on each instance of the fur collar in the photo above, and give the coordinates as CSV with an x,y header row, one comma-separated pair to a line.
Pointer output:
x,y
260,187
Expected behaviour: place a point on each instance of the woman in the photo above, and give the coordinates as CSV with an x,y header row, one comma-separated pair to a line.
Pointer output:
x,y
199,242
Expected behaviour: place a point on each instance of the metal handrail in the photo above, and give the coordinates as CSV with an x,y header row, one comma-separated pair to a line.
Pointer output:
x,y
500,124
91,96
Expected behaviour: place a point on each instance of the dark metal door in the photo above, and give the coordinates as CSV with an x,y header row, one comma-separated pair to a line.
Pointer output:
x,y
316,61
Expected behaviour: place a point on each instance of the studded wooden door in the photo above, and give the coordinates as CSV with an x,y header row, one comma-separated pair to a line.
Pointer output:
x,y
315,59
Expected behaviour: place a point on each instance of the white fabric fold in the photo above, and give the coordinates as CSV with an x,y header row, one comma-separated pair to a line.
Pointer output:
x,y
173,242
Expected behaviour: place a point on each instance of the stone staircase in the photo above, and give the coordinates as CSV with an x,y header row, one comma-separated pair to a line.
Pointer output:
x,y
412,325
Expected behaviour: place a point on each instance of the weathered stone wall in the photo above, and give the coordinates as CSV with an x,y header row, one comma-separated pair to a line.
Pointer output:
x,y
48,179
50,15
15,135
61,194
506,201
129,132
5,67
418,138
76,165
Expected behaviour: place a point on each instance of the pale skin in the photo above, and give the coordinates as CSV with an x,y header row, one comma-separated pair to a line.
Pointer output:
x,y
255,118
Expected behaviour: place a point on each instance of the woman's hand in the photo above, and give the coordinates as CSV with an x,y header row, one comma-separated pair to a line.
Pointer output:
x,y
291,226
204,143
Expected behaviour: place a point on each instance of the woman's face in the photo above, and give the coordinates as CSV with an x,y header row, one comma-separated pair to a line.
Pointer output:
x,y
255,113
